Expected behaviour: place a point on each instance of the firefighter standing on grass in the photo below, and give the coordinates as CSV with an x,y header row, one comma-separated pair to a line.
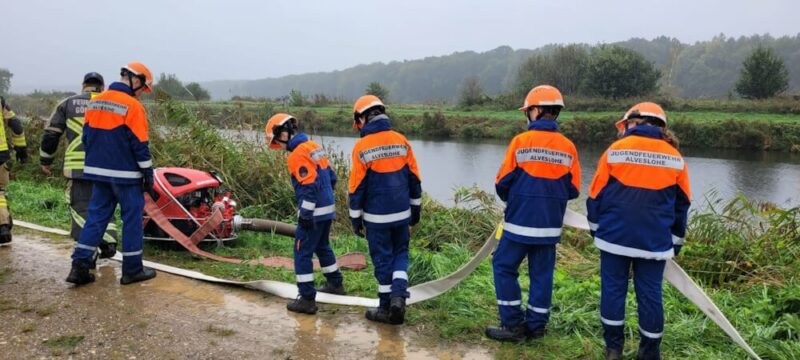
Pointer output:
x,y
385,197
539,174
314,182
67,119
118,162
637,210
7,117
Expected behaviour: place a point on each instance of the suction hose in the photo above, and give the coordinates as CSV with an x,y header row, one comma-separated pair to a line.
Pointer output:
x,y
262,225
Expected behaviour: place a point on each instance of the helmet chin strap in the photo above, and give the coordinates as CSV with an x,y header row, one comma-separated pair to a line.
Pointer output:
x,y
130,76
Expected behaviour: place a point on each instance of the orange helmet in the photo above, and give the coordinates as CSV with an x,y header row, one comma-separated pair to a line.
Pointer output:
x,y
543,95
364,103
138,69
645,109
274,125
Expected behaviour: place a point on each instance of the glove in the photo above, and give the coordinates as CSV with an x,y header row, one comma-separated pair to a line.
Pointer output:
x,y
677,249
306,224
147,185
358,226
22,154
415,212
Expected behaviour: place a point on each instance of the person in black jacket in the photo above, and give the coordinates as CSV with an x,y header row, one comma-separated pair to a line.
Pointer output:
x,y
67,119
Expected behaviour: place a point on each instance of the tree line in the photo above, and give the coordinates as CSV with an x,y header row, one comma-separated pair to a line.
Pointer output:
x,y
703,69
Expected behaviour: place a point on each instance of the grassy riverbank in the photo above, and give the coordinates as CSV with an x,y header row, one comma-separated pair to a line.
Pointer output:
x,y
745,255
772,124
695,128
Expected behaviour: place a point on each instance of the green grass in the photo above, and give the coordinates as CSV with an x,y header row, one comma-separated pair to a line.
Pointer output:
x,y
64,342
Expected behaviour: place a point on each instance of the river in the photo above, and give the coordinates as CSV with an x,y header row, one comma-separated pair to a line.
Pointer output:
x,y
717,174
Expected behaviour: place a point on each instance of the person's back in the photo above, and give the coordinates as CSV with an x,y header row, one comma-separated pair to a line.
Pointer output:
x,y
540,163
644,177
637,210
115,137
385,196
118,162
539,174
304,155
384,173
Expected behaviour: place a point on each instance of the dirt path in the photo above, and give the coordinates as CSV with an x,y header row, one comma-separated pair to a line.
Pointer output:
x,y
171,317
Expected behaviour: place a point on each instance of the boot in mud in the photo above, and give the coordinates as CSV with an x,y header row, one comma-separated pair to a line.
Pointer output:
x,y
79,274
397,310
379,314
146,274
302,305
332,289
613,354
506,334
5,234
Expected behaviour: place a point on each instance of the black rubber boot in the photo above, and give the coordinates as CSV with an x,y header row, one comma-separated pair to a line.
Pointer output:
x,y
107,251
537,333
613,354
506,334
397,310
331,289
146,274
5,234
379,314
649,349
302,305
79,274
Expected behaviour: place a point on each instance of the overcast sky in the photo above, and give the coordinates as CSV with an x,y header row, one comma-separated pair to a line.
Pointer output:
x,y
51,44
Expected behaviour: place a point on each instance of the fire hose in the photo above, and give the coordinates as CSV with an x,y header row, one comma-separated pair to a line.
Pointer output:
x,y
673,273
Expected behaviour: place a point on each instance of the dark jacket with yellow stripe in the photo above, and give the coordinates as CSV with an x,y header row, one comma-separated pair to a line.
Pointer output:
x,y
66,119
7,117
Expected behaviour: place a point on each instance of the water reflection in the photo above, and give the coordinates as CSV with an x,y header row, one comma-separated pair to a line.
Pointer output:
x,y
445,165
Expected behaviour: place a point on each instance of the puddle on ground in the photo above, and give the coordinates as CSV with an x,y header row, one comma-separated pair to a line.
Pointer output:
x,y
336,332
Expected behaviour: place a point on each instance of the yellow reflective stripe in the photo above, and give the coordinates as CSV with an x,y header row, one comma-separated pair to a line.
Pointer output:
x,y
75,125
3,202
74,167
74,144
18,140
3,142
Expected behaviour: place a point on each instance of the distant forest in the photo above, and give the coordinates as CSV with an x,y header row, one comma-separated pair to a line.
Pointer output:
x,y
706,69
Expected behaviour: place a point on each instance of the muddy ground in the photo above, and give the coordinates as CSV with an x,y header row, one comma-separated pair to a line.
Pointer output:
x,y
170,317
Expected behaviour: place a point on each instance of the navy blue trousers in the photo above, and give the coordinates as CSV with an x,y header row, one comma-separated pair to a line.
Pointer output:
x,y
307,243
105,197
388,248
648,276
541,264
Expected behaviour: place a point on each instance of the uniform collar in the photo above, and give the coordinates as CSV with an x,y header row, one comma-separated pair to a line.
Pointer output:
x,y
646,131
122,87
543,125
296,140
377,124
